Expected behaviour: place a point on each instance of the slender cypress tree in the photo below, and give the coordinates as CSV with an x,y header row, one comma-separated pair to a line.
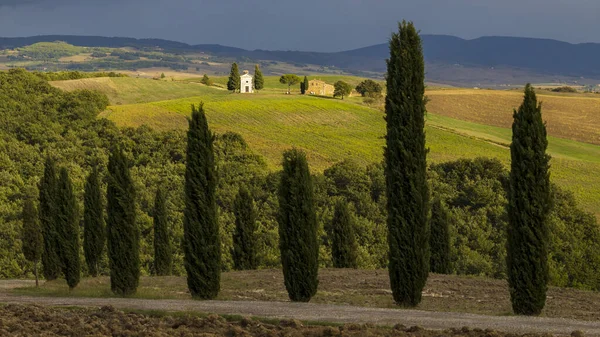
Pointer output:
x,y
305,83
67,214
162,243
405,170
122,234
529,203
47,213
233,83
202,245
298,228
244,242
94,233
343,242
33,241
439,241
259,81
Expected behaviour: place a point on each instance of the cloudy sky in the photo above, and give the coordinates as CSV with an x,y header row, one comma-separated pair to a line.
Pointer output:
x,y
317,25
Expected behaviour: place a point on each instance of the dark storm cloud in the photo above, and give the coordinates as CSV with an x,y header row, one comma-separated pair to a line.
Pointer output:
x,y
324,25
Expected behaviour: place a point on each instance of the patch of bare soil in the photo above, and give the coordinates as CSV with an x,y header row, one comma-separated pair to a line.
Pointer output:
x,y
30,320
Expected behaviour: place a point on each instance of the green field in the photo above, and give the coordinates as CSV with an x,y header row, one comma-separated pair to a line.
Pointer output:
x,y
331,130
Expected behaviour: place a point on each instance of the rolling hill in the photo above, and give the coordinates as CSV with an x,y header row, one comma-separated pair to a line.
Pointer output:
x,y
331,130
483,61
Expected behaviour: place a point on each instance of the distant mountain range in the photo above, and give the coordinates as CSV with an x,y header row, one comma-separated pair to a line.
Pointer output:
x,y
449,59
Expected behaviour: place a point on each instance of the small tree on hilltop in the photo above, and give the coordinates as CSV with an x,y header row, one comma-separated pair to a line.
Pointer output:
x,y
162,239
406,167
298,228
259,81
289,79
439,240
233,83
206,80
529,202
201,240
305,85
123,236
244,241
342,240
33,241
342,89
68,228
369,88
47,213
94,233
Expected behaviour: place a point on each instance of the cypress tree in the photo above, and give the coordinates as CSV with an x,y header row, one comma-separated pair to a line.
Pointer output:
x,y
47,213
122,234
298,228
33,241
529,203
259,81
305,83
94,233
162,241
244,242
67,214
342,239
233,83
439,241
405,169
202,245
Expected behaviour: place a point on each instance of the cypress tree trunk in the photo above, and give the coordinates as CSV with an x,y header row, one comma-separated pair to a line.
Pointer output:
x,y
93,222
162,241
405,171
123,238
343,242
529,203
68,228
298,228
233,83
259,82
244,242
202,245
47,213
439,241
31,236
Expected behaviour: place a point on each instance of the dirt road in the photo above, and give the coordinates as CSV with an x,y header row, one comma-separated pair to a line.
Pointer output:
x,y
330,313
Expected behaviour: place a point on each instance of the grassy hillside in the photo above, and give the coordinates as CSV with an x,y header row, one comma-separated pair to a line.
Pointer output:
x,y
331,130
570,116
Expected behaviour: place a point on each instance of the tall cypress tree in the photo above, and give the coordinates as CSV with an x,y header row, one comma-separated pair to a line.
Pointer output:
x,y
305,84
94,233
298,228
31,236
202,245
162,240
123,237
529,202
341,232
47,213
67,214
233,83
439,241
259,81
244,242
405,170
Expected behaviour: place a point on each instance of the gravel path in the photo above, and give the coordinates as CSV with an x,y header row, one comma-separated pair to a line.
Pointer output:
x,y
330,313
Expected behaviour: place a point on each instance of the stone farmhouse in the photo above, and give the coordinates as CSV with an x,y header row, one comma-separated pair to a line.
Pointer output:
x,y
246,83
318,87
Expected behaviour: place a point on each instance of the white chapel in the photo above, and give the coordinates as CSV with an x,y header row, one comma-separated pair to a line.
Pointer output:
x,y
246,83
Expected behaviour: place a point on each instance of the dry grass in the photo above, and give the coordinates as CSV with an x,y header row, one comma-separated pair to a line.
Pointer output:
x,y
569,116
368,288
